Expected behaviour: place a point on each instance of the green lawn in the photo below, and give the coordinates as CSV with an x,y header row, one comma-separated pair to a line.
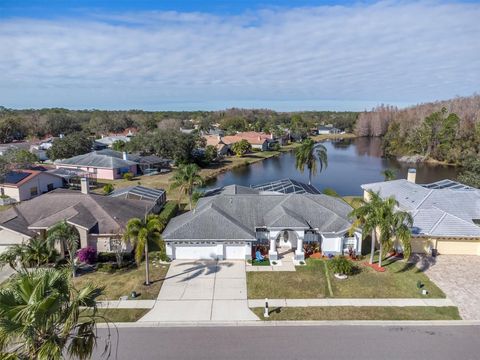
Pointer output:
x,y
120,315
123,282
361,313
307,282
310,281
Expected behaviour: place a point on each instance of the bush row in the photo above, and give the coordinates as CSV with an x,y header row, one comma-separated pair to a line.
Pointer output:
x,y
169,211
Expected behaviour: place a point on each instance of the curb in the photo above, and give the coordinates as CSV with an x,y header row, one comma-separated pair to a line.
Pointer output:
x,y
412,323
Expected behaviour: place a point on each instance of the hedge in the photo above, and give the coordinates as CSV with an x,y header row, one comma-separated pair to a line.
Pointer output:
x,y
169,211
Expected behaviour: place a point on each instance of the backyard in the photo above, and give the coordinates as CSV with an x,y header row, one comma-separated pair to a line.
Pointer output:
x,y
314,281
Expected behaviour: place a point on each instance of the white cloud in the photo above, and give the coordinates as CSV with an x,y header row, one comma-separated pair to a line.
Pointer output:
x,y
390,51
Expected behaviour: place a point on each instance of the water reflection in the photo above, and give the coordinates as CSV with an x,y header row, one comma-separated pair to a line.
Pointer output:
x,y
351,163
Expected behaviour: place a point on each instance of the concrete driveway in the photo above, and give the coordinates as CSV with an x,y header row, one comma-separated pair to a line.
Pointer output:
x,y
197,290
457,276
5,273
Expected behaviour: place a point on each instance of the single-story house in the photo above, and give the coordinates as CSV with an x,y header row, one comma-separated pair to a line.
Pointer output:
x,y
231,224
107,141
21,185
329,129
446,214
137,192
145,164
100,220
102,166
216,141
258,140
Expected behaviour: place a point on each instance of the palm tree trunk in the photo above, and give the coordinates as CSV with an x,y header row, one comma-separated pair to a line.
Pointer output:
x,y
147,272
380,255
372,251
310,177
190,199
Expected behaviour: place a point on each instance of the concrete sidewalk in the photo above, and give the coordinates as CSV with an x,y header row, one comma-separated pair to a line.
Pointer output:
x,y
349,302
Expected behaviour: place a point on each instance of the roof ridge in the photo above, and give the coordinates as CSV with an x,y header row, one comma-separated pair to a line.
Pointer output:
x,y
430,192
229,218
432,229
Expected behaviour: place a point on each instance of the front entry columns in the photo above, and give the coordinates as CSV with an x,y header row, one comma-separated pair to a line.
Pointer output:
x,y
272,252
299,254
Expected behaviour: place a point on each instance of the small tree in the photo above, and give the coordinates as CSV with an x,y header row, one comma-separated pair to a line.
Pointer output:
x,y
119,145
186,178
67,235
389,174
211,153
241,147
128,176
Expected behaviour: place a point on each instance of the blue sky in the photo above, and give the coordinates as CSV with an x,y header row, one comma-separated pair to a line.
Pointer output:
x,y
285,55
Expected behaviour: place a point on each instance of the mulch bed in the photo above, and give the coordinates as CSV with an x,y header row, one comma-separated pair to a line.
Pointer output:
x,y
375,267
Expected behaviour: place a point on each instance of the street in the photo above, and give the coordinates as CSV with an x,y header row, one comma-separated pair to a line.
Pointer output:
x,y
295,342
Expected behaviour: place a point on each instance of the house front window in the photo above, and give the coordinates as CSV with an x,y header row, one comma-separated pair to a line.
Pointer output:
x,y
34,191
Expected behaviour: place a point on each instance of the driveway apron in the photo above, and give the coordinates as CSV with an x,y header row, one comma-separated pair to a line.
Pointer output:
x,y
203,290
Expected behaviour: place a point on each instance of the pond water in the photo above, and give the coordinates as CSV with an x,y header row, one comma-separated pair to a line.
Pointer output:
x,y
351,163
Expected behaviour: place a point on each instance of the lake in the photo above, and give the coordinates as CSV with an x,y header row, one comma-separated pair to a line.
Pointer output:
x,y
351,162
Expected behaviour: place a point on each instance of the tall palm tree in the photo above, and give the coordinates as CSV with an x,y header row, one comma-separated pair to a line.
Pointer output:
x,y
42,316
142,233
186,178
394,225
14,257
367,215
307,154
67,235
389,174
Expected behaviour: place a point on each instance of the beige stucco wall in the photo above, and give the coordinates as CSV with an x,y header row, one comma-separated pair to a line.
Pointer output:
x,y
12,192
447,246
8,237
40,181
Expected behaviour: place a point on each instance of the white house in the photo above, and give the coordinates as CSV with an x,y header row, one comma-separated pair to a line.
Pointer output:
x,y
231,224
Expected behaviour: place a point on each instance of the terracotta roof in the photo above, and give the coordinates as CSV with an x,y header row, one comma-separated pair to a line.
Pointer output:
x,y
254,138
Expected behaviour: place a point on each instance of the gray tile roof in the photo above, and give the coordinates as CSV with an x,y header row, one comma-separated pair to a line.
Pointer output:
x,y
437,211
94,159
106,214
237,216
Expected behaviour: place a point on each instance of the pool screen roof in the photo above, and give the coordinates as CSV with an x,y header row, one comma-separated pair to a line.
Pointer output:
x,y
287,186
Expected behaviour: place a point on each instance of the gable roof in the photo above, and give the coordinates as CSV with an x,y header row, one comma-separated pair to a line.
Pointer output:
x,y
237,216
107,215
19,177
447,211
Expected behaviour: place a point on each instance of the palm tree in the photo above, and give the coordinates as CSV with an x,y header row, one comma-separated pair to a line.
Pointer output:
x,y
186,178
42,316
367,215
67,235
394,224
389,174
39,251
308,154
14,257
142,233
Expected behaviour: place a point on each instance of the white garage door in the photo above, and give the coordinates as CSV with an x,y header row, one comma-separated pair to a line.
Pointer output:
x,y
195,252
234,252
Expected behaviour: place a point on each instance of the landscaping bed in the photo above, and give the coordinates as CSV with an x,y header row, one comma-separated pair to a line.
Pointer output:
x,y
361,313
398,281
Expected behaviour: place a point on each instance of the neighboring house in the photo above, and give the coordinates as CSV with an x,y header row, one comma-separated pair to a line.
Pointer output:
x,y
233,223
100,220
20,145
157,196
328,129
23,185
216,141
258,140
145,164
107,141
446,214
102,166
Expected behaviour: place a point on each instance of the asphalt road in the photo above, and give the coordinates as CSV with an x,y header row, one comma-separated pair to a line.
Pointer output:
x,y
299,342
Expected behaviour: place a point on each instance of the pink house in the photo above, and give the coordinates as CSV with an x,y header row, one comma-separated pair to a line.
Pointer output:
x,y
101,165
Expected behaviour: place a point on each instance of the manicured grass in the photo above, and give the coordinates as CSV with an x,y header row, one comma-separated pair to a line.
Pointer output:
x,y
123,282
362,313
398,281
120,315
307,282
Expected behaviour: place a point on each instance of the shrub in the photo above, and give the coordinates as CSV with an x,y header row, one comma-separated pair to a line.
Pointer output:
x,y
87,255
128,176
107,267
341,265
108,189
105,257
275,146
169,211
